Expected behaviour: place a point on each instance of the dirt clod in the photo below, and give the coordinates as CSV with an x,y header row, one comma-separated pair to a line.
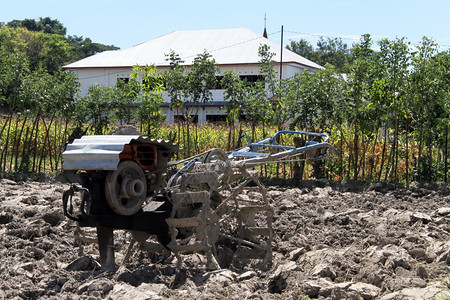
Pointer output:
x,y
335,241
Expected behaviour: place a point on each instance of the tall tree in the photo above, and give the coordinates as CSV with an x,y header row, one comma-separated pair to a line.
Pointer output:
x,y
334,52
52,26
29,24
394,59
303,48
234,93
124,102
84,47
271,83
47,25
359,84
442,61
49,51
150,98
331,50
201,79
48,99
176,87
95,108
11,78
45,40
426,87
256,107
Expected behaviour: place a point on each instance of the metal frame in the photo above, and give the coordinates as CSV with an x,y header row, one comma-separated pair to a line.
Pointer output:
x,y
269,150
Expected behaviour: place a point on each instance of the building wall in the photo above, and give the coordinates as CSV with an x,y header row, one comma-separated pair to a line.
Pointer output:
x,y
203,113
100,76
109,77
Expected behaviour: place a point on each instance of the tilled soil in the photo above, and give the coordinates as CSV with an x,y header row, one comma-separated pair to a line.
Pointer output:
x,y
331,241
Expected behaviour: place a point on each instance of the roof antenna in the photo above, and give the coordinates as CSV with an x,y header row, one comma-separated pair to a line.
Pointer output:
x,y
265,31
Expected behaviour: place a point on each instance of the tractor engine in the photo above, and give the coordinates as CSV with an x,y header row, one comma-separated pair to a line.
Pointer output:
x,y
121,177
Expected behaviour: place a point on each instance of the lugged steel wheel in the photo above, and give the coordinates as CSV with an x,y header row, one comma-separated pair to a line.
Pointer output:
x,y
221,210
244,220
126,188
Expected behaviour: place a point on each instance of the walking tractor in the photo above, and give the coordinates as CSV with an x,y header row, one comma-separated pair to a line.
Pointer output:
x,y
206,203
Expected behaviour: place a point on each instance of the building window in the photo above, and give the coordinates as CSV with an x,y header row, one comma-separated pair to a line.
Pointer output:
x,y
247,79
123,79
250,79
181,118
219,83
216,118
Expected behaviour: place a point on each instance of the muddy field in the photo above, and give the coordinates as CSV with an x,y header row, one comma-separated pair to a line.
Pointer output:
x,y
340,241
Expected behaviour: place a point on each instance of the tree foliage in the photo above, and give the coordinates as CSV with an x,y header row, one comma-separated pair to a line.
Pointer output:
x,y
201,78
331,51
149,98
175,81
45,43
84,47
46,25
234,92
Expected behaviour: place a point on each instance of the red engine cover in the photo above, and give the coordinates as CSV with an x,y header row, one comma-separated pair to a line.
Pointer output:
x,y
143,154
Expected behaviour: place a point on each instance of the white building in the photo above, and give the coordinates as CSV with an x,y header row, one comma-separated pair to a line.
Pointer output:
x,y
232,49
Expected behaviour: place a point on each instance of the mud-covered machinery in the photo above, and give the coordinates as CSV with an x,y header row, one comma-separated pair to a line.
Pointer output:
x,y
210,203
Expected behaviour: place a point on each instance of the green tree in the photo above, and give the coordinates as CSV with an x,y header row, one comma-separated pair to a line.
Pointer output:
x,y
46,25
442,62
334,52
150,98
271,87
46,44
44,50
331,51
52,26
95,108
84,47
312,99
359,85
255,106
234,93
10,39
394,59
201,79
303,48
29,24
124,102
314,102
54,52
426,90
11,78
47,100
175,86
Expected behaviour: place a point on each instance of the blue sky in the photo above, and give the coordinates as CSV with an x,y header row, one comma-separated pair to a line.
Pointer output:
x,y
126,23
